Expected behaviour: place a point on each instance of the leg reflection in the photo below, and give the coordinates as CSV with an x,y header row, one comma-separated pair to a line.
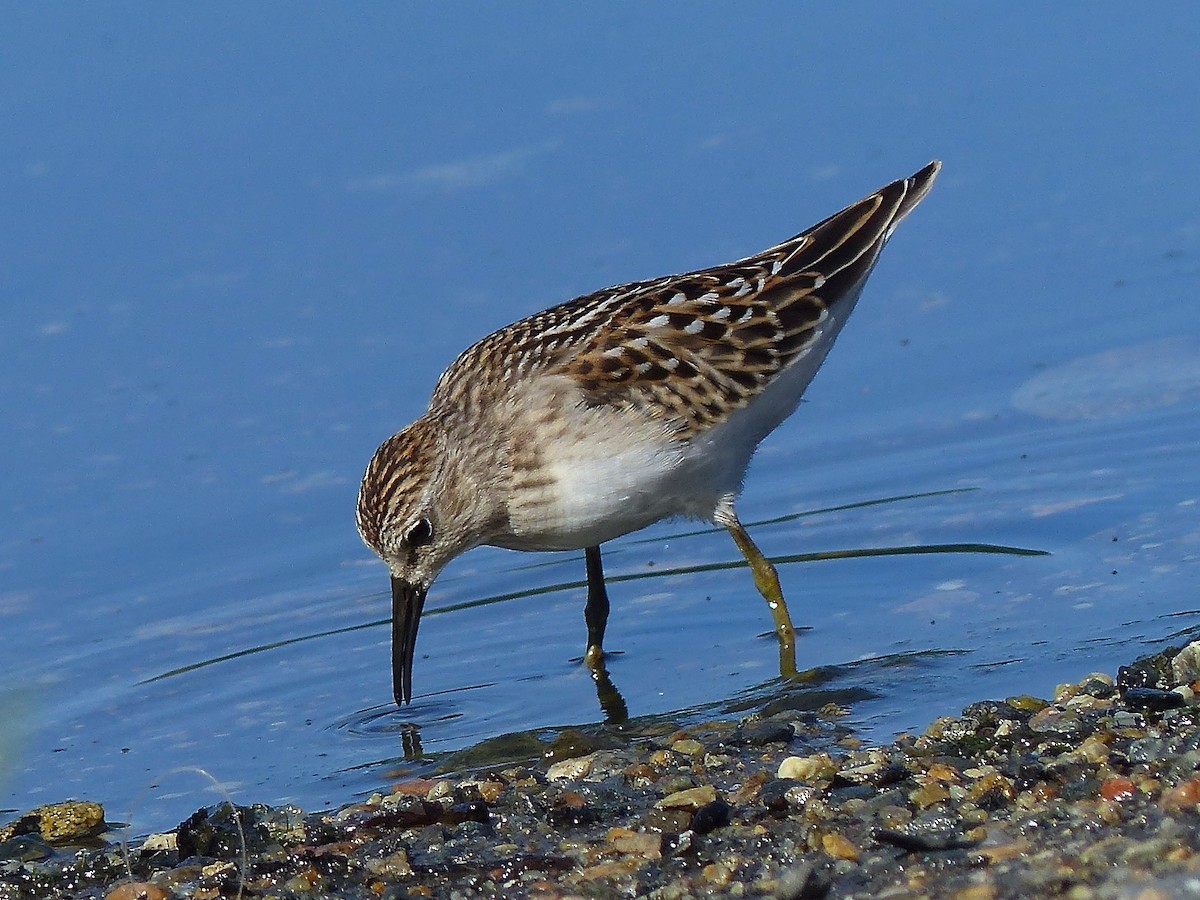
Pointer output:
x,y
612,704
410,741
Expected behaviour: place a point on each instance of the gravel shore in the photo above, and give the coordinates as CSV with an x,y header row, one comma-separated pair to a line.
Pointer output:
x,y
1094,793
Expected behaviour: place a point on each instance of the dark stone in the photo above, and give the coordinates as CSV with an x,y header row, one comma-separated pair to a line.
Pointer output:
x,y
711,816
892,773
667,821
573,816
1152,699
762,733
844,790
1027,773
24,848
218,832
571,743
411,812
1149,672
774,793
471,811
1101,690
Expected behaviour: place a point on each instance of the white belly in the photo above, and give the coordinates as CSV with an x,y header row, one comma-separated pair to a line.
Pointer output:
x,y
611,472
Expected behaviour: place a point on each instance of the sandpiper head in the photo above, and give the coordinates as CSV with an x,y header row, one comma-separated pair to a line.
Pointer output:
x,y
404,516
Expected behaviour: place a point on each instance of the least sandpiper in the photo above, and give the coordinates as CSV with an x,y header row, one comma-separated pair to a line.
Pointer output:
x,y
613,411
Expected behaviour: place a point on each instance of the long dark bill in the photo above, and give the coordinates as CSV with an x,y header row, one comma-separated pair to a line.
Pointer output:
x,y
407,602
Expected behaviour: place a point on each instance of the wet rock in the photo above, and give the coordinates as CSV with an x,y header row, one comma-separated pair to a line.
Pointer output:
x,y
678,844
839,846
1152,699
1185,665
668,821
470,811
1185,796
808,768
221,832
571,769
688,747
404,812
805,881
1149,672
774,793
635,843
573,810
71,821
929,794
137,890
762,733
928,833
1098,685
1026,703
690,799
711,816
24,848
570,743
1058,721
395,865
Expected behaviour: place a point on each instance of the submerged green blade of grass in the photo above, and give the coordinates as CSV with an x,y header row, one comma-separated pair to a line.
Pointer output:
x,y
790,517
804,514
787,559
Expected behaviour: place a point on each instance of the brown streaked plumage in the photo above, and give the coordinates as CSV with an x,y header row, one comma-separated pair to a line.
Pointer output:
x,y
612,411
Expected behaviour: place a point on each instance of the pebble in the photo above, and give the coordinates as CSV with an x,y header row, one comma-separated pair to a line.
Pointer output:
x,y
839,846
137,890
692,798
58,823
1185,665
807,768
570,769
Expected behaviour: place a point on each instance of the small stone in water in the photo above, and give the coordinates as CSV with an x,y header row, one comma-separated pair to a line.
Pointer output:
x,y
774,794
688,747
839,847
929,794
1185,666
668,821
1184,796
807,768
635,843
692,798
764,733
1117,788
570,769
711,816
137,890
1152,699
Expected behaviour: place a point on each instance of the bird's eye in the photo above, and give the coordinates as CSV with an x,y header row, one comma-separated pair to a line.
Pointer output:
x,y
419,533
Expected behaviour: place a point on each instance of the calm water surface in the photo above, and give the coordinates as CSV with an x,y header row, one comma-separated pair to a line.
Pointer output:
x,y
237,250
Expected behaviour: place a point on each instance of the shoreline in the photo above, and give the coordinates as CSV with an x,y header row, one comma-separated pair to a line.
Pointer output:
x,y
1092,793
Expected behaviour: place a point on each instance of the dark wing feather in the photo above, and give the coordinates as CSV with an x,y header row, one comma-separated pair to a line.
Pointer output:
x,y
695,347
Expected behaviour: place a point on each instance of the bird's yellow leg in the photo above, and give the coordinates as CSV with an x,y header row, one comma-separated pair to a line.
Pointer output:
x,y
766,579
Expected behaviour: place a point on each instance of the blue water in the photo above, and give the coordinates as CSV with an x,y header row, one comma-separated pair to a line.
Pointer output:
x,y
238,245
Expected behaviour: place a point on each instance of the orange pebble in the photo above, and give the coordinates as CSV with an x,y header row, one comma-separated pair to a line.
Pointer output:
x,y
1183,796
1117,788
